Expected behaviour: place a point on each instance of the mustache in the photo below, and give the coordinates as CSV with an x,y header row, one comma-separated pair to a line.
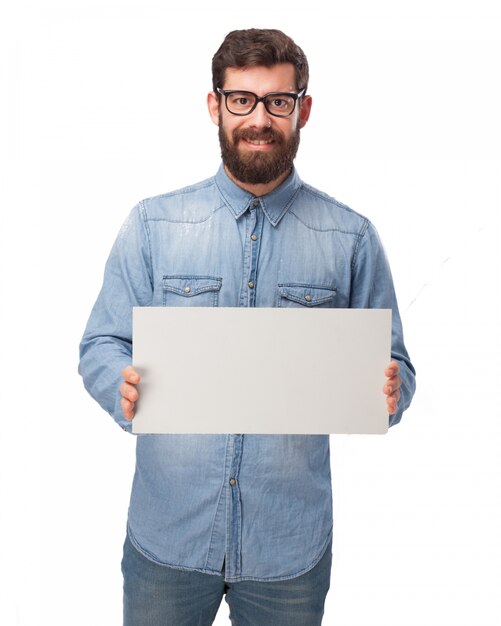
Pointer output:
x,y
252,134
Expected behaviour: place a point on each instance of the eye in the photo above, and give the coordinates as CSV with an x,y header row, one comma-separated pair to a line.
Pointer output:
x,y
280,104
239,100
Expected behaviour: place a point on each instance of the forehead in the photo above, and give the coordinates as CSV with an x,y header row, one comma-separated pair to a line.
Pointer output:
x,y
260,79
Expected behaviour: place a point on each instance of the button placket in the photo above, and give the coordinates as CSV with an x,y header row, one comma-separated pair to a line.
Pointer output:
x,y
255,241
234,511
250,224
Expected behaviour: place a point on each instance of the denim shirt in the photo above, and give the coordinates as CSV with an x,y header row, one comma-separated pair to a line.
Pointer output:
x,y
257,506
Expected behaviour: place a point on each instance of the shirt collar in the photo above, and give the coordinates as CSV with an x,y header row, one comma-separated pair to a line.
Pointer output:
x,y
274,204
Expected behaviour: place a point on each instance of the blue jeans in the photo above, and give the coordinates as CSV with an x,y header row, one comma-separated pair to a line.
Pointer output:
x,y
155,595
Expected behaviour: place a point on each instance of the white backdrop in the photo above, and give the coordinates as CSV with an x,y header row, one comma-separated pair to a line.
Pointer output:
x,y
103,103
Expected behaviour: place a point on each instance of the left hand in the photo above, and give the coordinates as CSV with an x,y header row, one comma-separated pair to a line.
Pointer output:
x,y
392,387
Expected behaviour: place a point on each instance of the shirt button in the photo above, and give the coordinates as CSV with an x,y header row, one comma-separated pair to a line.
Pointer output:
x,y
187,289
254,237
307,298
255,202
250,284
233,482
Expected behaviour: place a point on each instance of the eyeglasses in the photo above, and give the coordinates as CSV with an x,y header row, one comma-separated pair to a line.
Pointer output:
x,y
280,104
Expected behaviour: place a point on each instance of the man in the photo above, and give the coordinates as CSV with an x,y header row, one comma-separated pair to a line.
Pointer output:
x,y
248,516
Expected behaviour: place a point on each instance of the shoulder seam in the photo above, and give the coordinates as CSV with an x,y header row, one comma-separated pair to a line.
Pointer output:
x,y
144,216
324,196
183,190
360,236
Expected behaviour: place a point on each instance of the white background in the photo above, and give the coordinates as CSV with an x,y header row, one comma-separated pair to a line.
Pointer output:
x,y
103,103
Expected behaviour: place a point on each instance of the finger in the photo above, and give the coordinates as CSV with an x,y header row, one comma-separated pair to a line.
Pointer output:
x,y
392,384
130,375
129,392
127,408
392,369
396,395
392,401
391,405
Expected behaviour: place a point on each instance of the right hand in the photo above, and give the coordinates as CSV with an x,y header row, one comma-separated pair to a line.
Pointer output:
x,y
129,391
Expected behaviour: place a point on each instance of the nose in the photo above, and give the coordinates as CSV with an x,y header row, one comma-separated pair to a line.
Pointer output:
x,y
260,118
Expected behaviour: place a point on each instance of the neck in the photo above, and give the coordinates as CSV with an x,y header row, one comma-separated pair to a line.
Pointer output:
x,y
260,189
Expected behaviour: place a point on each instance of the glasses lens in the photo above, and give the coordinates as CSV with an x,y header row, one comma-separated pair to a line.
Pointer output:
x,y
280,104
240,102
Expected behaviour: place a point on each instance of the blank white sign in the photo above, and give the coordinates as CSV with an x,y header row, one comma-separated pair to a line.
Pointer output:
x,y
261,370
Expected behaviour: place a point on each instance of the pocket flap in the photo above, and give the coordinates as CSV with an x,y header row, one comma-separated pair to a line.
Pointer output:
x,y
307,295
189,286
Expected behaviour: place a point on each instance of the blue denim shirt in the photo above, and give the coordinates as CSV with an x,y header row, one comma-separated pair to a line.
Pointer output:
x,y
259,504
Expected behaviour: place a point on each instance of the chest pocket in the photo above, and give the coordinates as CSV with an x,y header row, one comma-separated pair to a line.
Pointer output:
x,y
297,294
191,290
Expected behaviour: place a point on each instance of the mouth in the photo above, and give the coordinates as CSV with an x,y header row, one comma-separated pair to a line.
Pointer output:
x,y
259,144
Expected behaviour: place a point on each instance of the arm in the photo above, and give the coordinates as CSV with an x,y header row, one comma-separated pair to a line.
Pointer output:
x,y
106,346
372,287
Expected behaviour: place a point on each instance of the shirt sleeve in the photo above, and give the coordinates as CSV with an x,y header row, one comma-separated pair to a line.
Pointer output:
x,y
106,346
372,287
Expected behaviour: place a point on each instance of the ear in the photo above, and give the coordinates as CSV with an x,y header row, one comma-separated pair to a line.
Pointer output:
x,y
213,105
304,110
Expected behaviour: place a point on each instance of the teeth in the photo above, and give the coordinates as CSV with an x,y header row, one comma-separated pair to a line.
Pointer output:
x,y
259,142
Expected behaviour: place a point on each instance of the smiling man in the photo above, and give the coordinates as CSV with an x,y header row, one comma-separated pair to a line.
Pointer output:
x,y
248,517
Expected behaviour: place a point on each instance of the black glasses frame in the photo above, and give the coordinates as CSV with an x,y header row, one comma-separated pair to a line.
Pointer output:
x,y
228,92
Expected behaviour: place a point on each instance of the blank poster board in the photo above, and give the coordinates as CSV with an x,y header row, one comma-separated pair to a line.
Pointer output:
x,y
261,370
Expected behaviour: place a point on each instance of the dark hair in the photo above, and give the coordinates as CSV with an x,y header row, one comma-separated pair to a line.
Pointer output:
x,y
254,47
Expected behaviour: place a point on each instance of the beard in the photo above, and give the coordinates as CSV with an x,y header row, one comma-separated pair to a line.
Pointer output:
x,y
257,167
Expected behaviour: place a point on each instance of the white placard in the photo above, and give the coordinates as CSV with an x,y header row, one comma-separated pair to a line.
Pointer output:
x,y
261,370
